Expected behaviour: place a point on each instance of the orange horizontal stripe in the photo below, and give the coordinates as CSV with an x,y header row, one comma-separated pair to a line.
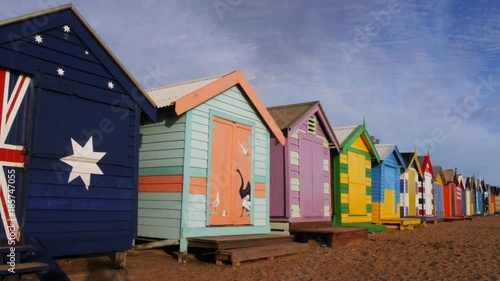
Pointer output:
x,y
160,183
260,194
260,186
198,186
260,190
161,179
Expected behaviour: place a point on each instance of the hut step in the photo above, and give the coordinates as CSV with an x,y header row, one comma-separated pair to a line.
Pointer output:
x,y
235,256
20,248
23,268
238,241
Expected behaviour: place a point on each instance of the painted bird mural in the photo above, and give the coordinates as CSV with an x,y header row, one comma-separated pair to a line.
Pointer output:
x,y
244,194
216,202
246,148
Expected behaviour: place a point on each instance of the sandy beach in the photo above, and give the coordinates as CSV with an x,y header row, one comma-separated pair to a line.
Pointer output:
x,y
461,250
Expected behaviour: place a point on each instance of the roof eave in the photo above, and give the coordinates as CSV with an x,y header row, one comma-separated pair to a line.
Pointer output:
x,y
217,87
395,149
329,129
151,114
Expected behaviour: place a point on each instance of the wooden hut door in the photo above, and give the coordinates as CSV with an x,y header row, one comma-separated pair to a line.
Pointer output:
x,y
390,204
439,201
357,183
311,176
230,173
412,192
427,195
404,196
459,203
467,203
14,92
453,199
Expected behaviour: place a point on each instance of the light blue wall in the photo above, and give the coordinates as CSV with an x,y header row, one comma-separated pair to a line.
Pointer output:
x,y
231,104
161,153
162,146
159,214
378,178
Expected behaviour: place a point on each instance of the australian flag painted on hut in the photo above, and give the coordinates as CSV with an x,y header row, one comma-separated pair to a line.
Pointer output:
x,y
69,136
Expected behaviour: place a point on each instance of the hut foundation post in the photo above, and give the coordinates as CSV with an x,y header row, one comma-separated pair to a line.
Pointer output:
x,y
119,259
183,250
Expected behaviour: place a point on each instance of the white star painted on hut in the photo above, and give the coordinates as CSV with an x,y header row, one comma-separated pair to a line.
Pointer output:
x,y
38,38
111,85
83,162
66,29
86,52
60,71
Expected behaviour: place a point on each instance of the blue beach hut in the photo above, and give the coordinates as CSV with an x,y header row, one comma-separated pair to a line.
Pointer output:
x,y
69,137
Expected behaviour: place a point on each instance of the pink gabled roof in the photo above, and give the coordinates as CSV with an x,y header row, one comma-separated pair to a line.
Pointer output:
x,y
186,96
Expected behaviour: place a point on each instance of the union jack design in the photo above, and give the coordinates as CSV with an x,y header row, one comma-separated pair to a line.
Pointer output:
x,y
10,155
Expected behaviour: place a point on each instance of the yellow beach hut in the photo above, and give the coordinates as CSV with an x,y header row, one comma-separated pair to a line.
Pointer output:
x,y
352,186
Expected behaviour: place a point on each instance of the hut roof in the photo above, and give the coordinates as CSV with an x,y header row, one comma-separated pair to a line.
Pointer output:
x,y
187,95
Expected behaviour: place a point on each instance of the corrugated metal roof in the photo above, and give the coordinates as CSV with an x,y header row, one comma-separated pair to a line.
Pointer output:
x,y
407,157
343,133
437,169
421,161
449,175
167,95
384,150
462,180
287,116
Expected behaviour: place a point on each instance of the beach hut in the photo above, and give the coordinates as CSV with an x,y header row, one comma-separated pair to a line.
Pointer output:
x,y
69,137
352,178
470,184
425,192
485,197
479,196
461,200
453,195
491,200
204,164
463,182
300,170
468,196
462,187
409,181
449,193
438,192
386,187
496,198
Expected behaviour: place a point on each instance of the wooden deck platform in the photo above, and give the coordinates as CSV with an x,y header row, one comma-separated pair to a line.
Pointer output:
x,y
238,241
238,248
235,256
288,228
426,219
334,236
402,223
457,218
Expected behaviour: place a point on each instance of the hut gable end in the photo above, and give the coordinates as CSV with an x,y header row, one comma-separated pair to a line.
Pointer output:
x,y
77,116
66,55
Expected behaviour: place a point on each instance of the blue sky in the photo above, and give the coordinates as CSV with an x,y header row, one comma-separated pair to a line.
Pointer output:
x,y
423,73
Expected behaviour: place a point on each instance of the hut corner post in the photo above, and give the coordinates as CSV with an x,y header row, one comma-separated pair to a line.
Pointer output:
x,y
119,259
183,250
